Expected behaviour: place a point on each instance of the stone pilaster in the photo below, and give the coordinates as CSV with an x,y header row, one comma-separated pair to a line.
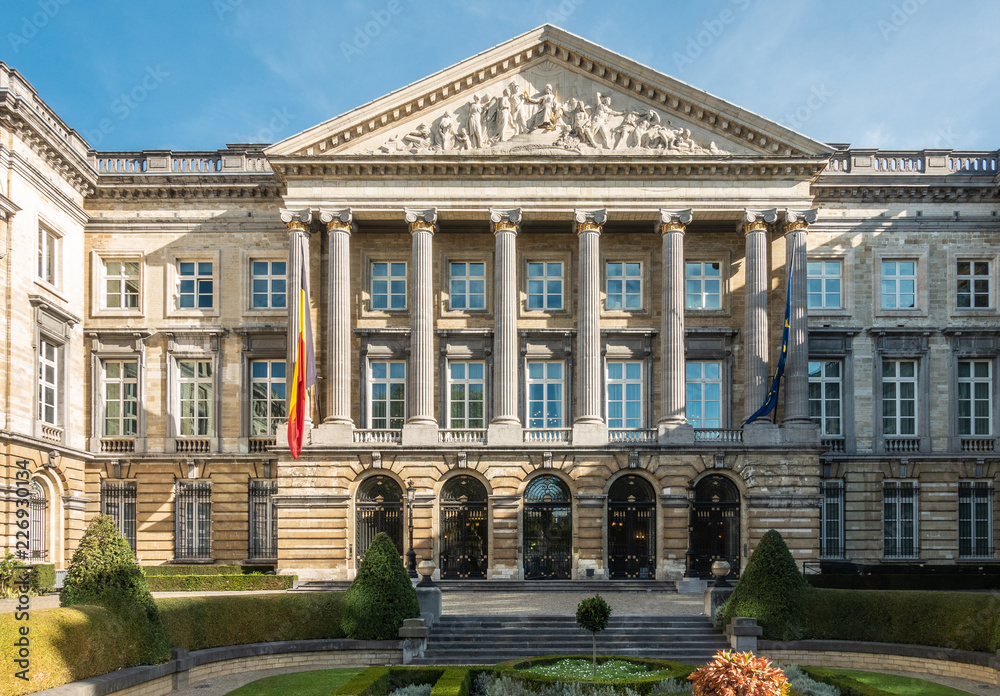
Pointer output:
x,y
588,426
796,421
299,223
339,225
673,425
505,426
755,225
421,427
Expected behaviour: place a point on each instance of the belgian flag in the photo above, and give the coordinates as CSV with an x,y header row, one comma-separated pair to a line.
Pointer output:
x,y
303,367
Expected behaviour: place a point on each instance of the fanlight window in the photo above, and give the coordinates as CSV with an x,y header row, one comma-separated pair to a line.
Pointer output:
x,y
379,490
717,489
547,489
463,489
631,489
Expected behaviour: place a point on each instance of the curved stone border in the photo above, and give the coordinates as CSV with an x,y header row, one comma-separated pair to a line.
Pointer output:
x,y
201,665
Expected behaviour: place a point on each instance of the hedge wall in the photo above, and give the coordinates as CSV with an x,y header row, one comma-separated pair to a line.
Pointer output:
x,y
209,583
195,569
907,581
42,578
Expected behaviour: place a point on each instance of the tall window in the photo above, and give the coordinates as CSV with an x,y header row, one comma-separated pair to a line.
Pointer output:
x,y
975,397
121,398
824,396
975,519
545,394
268,408
196,284
263,519
624,285
193,533
118,501
388,285
824,284
703,285
268,281
704,394
545,286
973,280
899,397
388,394
48,382
831,538
48,255
38,512
899,284
899,519
466,394
195,397
121,284
625,394
467,286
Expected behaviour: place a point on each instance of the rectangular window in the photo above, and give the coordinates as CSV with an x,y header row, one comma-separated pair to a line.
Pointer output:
x,y
118,501
467,286
625,394
263,519
48,382
899,284
973,279
121,284
193,533
388,285
196,284
121,398
545,394
899,397
48,250
388,394
899,519
824,284
466,395
975,397
975,519
624,285
268,284
831,539
195,383
704,394
545,286
824,396
703,285
268,408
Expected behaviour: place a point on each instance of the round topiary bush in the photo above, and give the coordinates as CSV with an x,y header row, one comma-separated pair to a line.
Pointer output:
x,y
381,596
771,590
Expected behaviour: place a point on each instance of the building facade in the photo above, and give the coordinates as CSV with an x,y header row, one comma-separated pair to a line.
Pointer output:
x,y
547,288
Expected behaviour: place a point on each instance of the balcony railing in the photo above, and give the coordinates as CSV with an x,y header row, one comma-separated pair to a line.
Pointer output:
x,y
917,162
259,445
117,445
463,436
902,444
239,159
718,435
194,445
378,437
632,435
978,444
833,444
549,436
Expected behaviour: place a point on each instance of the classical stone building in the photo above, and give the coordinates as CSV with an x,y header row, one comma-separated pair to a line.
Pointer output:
x,y
548,286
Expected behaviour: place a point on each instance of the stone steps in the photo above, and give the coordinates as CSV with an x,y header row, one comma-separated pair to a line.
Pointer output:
x,y
516,585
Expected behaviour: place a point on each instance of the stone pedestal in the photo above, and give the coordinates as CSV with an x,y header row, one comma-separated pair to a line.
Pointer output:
x,y
419,434
429,599
505,434
673,433
692,586
761,433
589,434
743,634
715,597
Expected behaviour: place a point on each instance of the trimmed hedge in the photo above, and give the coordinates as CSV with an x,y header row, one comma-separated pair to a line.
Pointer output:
x,y
42,578
379,681
908,581
846,685
456,681
641,685
209,583
196,569
381,596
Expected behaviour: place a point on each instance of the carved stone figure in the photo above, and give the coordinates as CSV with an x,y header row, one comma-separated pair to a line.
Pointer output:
x,y
580,122
549,111
518,108
419,139
444,135
601,121
476,139
623,133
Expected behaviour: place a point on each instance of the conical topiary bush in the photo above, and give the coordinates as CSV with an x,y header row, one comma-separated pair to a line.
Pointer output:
x,y
381,595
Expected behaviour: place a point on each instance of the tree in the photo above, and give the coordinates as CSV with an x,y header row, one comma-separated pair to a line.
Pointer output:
x,y
381,596
593,614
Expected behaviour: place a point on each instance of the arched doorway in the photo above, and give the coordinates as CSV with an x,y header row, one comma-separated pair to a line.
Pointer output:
x,y
632,529
548,529
715,526
379,508
463,528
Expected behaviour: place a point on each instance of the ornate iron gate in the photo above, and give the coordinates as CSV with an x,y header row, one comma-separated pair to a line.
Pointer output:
x,y
464,528
548,529
379,508
632,529
263,541
715,526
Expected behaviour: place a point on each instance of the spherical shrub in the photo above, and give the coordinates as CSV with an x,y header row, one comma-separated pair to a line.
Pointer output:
x,y
381,596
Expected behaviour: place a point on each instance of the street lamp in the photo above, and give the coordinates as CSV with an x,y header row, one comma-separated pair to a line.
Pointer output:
x,y
411,555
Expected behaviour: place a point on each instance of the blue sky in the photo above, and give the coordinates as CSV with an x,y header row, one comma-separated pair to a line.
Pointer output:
x,y
901,74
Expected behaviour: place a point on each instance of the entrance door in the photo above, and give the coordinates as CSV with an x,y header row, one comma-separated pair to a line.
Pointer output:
x,y
463,528
379,507
715,526
548,529
632,529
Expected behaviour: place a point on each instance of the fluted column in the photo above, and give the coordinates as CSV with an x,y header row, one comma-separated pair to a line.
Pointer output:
x,y
421,425
796,378
339,225
755,226
673,412
298,223
588,425
505,427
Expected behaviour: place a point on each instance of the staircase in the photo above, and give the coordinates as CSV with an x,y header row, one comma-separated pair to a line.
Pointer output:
x,y
491,639
582,585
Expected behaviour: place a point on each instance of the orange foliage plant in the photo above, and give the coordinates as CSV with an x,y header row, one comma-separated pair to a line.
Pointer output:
x,y
739,674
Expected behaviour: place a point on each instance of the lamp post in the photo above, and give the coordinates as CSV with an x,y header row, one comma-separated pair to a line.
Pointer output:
x,y
411,555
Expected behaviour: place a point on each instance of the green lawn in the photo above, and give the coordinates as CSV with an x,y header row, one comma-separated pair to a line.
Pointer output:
x,y
902,686
320,682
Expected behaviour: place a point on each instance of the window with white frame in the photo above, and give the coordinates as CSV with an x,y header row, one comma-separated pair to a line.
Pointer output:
x,y
703,285
193,516
975,397
624,388
704,394
195,383
546,394
899,519
825,395
824,283
387,379
388,285
48,382
973,285
268,408
545,286
623,285
195,284
899,284
899,397
466,394
466,285
48,255
121,284
121,398
975,519
268,284
831,539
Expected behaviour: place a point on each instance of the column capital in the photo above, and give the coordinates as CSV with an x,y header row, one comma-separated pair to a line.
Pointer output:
x,y
505,220
420,219
589,220
798,219
337,219
296,219
756,220
674,220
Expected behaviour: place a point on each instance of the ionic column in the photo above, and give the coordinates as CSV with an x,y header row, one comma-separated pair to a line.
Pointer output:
x,y
421,370
755,345
673,417
588,426
298,223
339,225
505,427
796,378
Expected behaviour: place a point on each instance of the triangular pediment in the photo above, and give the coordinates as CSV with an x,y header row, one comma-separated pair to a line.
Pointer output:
x,y
549,92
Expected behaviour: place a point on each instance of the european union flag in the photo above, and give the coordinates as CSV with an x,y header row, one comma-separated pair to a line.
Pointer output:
x,y
772,394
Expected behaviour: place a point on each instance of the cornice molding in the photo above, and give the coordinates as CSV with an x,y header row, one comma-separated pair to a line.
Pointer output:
x,y
931,192
142,187
38,181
